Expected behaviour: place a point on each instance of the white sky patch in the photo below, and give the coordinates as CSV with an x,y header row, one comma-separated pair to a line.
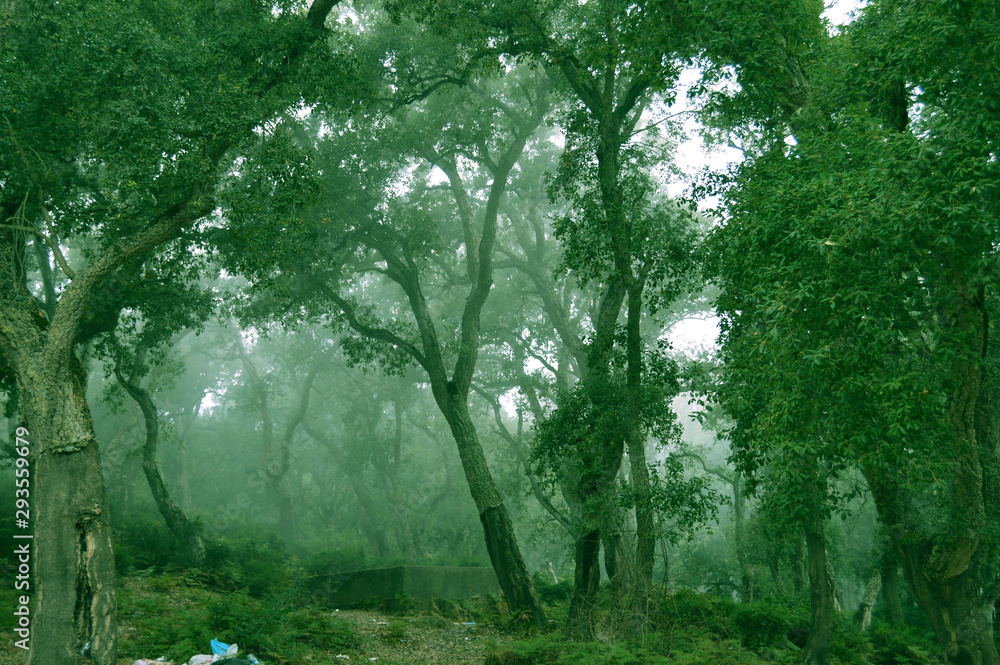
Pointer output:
x,y
249,338
839,12
695,335
693,155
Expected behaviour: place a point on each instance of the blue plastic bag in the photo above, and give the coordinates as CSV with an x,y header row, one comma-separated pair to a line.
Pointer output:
x,y
219,648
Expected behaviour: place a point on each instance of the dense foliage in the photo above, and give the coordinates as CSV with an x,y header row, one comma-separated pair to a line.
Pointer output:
x,y
293,289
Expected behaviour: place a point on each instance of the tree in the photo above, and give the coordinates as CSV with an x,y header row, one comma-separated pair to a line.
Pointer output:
x,y
98,98
858,308
474,134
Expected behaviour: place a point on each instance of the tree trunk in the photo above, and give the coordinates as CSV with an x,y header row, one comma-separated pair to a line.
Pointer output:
x,y
817,650
952,566
890,593
73,568
586,581
739,520
798,561
774,567
501,543
615,562
863,616
958,610
183,529
645,523
890,589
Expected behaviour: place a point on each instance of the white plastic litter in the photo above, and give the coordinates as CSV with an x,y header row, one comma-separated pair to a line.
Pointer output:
x,y
147,661
202,659
343,657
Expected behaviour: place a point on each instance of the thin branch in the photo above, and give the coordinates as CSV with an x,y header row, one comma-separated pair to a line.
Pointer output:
x,y
60,259
372,332
515,445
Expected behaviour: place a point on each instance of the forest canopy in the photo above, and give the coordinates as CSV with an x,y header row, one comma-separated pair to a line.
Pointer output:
x,y
293,289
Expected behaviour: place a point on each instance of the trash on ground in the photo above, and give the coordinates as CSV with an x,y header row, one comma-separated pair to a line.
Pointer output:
x,y
146,661
222,653
222,649
203,659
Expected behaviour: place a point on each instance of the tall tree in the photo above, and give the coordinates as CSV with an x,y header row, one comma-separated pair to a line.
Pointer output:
x,y
118,120
860,307
474,134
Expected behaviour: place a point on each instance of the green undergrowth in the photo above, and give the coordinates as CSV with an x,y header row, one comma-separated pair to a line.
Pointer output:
x,y
175,615
689,628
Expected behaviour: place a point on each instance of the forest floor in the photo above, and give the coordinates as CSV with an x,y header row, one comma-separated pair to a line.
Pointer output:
x,y
178,614
149,615
419,639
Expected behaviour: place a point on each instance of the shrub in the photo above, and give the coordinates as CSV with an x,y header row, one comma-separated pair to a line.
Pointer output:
x,y
258,564
247,621
688,607
550,593
178,630
394,633
272,627
849,644
761,624
145,543
901,645
322,630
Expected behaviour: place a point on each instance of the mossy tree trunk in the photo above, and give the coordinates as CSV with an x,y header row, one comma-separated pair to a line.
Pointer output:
x,y
821,593
177,521
451,390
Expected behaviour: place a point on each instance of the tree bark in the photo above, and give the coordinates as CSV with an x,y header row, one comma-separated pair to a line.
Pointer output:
x,y
952,566
645,523
615,556
890,589
73,574
863,615
586,580
501,542
798,563
739,520
821,591
773,565
183,528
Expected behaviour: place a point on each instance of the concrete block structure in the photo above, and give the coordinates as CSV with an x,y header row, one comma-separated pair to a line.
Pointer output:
x,y
418,582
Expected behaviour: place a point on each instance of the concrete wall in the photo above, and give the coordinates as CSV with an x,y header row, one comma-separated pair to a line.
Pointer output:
x,y
417,582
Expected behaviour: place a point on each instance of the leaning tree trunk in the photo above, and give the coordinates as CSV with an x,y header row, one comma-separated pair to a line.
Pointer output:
x,y
501,543
821,592
73,568
177,521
